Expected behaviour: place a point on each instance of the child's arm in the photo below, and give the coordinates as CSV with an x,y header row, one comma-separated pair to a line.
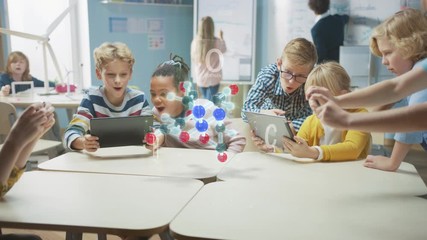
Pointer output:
x,y
392,163
380,93
76,135
235,140
29,127
260,91
352,147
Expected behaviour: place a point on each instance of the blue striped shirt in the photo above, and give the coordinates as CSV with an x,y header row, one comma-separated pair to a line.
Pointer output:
x,y
95,105
267,93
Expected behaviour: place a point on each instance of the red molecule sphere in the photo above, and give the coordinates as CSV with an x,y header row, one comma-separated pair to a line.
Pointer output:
x,y
234,89
204,138
222,157
150,138
181,87
188,112
184,137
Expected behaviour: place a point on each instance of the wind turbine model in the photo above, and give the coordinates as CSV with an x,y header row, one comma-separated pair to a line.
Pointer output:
x,y
44,40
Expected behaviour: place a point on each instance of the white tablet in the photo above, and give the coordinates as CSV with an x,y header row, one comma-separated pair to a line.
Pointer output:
x,y
121,131
270,128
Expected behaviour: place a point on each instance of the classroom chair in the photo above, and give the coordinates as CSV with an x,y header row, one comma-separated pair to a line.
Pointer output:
x,y
8,117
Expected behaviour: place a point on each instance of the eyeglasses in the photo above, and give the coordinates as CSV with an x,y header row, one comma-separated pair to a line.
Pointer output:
x,y
288,76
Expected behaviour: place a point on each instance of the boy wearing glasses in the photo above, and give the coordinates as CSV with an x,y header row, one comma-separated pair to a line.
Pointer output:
x,y
279,88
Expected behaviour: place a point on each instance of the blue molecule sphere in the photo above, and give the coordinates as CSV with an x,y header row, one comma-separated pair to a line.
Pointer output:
x,y
180,122
219,114
199,111
221,147
202,125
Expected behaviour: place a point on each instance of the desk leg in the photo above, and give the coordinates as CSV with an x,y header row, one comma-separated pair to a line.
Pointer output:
x,y
73,236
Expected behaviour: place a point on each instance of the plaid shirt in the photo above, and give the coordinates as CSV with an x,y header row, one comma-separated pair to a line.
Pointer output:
x,y
267,93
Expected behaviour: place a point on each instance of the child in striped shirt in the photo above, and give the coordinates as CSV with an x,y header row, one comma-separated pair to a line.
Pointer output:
x,y
114,62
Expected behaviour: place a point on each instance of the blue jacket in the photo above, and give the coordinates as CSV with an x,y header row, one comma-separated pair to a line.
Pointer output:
x,y
6,79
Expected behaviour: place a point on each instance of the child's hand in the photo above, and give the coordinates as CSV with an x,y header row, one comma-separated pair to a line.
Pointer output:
x,y
160,139
381,163
5,90
90,143
30,125
260,143
299,148
87,142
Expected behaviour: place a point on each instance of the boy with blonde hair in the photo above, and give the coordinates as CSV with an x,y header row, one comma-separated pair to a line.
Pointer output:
x,y
401,42
321,142
113,65
279,88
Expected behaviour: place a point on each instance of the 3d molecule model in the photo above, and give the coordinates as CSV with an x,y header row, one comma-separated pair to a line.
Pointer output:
x,y
198,114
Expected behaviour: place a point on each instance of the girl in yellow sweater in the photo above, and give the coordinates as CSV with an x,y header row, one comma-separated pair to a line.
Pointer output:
x,y
324,143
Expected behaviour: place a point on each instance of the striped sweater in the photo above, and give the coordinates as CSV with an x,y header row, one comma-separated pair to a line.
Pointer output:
x,y
96,105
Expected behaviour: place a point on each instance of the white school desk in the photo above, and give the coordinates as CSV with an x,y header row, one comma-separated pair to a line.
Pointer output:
x,y
261,168
42,145
137,160
23,99
95,203
267,197
238,210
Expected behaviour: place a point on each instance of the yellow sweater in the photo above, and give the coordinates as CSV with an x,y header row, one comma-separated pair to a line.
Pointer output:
x,y
354,144
13,178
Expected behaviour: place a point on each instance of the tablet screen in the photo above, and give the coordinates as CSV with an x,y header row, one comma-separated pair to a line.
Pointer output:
x,y
270,128
121,131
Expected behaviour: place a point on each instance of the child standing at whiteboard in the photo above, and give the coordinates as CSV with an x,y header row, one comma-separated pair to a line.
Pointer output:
x,y
206,55
321,142
328,31
114,64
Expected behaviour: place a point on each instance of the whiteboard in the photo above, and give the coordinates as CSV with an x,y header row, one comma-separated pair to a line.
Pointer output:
x,y
237,19
289,19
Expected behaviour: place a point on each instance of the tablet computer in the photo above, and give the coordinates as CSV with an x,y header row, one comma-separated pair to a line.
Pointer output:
x,y
121,131
270,128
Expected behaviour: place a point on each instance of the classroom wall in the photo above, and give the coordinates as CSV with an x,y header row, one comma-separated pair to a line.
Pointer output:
x,y
176,30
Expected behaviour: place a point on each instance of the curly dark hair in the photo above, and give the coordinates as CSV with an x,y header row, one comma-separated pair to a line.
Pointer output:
x,y
175,67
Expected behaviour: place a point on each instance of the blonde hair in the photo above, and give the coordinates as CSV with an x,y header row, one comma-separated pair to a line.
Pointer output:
x,y
330,75
109,52
406,30
300,51
205,39
15,57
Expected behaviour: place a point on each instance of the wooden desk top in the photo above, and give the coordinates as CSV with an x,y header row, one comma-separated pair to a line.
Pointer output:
x,y
24,99
267,169
98,203
137,160
301,209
